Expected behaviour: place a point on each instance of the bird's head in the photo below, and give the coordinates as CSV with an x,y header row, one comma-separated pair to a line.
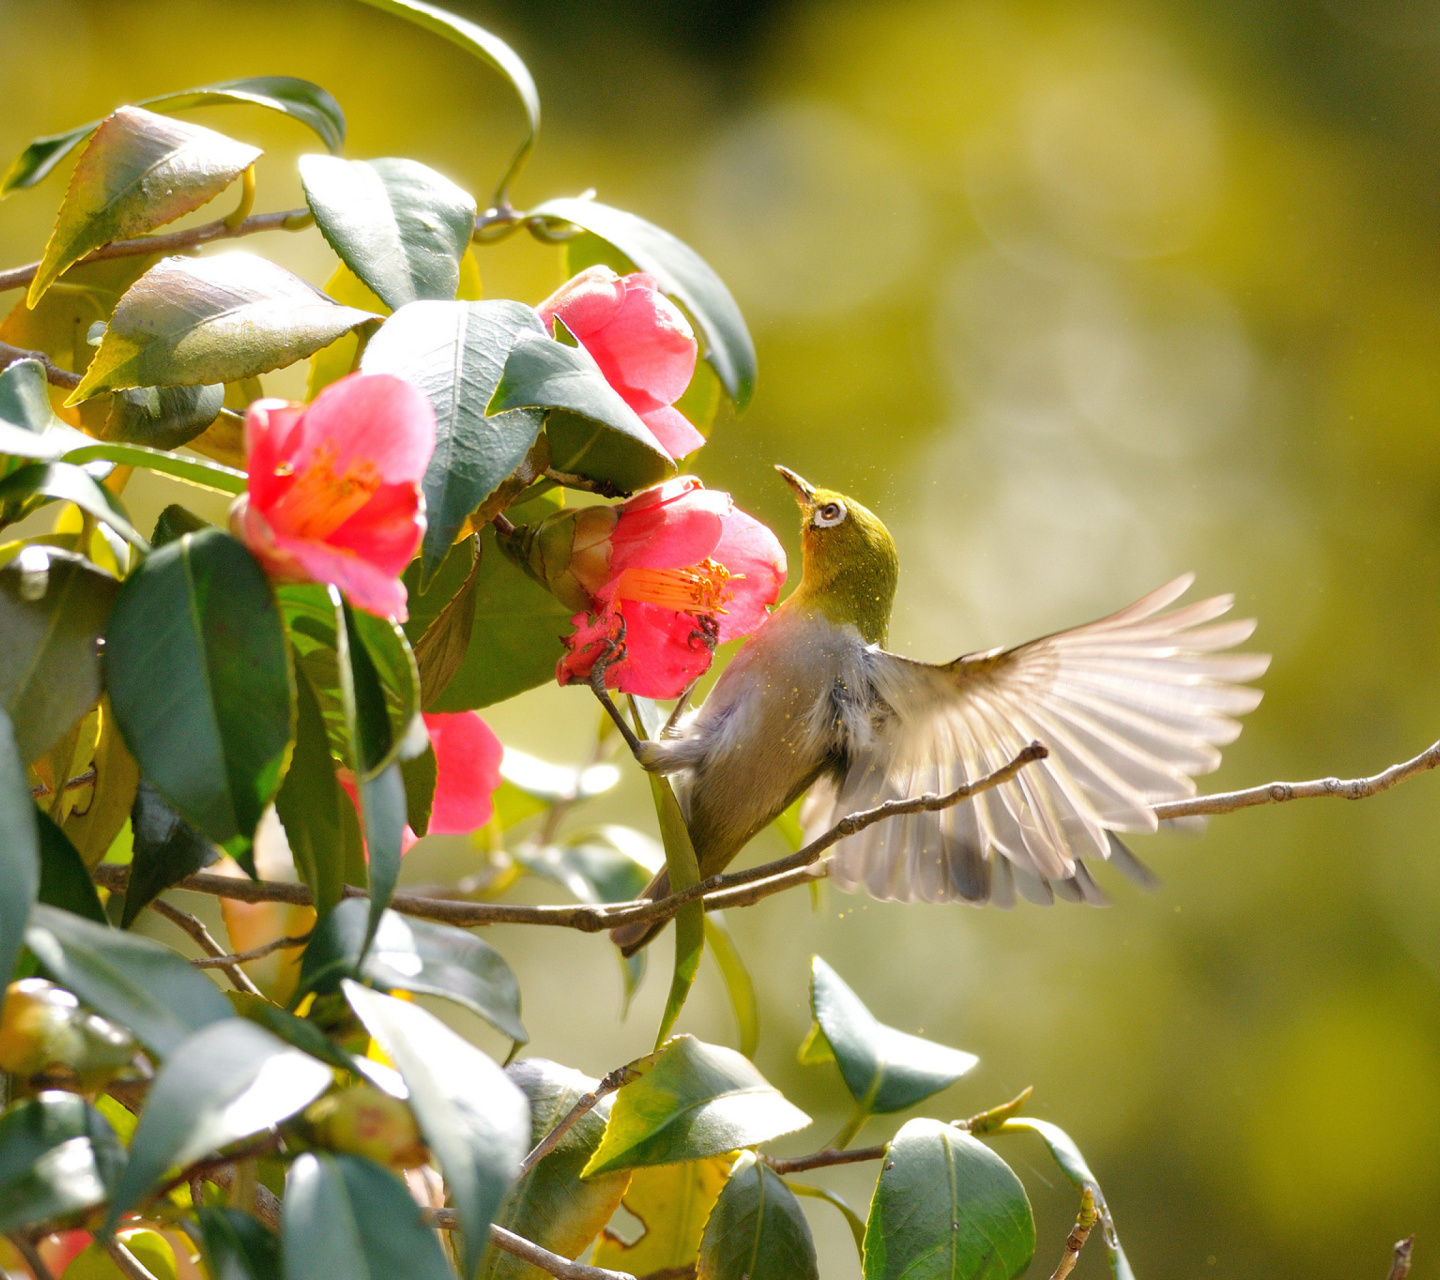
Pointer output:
x,y
850,565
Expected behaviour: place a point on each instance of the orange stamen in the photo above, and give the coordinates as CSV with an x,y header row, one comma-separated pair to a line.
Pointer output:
x,y
321,500
702,588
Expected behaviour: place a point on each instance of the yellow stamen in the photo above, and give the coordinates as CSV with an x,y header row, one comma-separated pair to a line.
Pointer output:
x,y
702,588
321,500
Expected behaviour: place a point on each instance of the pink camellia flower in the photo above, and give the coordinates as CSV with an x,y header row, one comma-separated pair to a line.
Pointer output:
x,y
677,557
641,341
334,491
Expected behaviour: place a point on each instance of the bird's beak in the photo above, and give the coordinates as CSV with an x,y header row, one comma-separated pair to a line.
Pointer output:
x,y
804,491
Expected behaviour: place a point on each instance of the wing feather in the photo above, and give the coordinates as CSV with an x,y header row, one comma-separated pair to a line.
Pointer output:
x,y
1131,706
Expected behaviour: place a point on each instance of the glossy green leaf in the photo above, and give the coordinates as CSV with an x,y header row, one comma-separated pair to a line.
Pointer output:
x,y
163,417
604,865
189,321
386,653
884,1069
514,639
199,676
1073,1165
346,1218
58,1156
946,1208
757,1229
420,775
738,983
397,224
682,273
298,1032
852,1219
140,171
28,425
229,1080
166,850
554,782
64,881
550,1205
455,352
54,607
597,435
238,1246
306,102
19,852
200,472
317,815
474,1120
414,955
173,523
131,980
692,1100
673,1202
62,482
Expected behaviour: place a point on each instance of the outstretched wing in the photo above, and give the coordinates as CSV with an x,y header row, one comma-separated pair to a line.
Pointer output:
x,y
1130,707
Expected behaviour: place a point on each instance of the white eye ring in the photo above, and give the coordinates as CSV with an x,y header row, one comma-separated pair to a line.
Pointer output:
x,y
831,514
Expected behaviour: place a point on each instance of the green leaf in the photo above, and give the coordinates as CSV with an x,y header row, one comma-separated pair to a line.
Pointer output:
x,y
572,784
455,352
174,523
237,1246
140,171
166,850
28,425
420,775
514,640
200,472
673,1201
414,955
599,866
62,482
346,1218
189,321
19,852
317,815
58,1157
598,435
682,273
946,1206
229,1080
691,1100
53,609
163,417
485,46
852,1219
306,102
1073,1165
64,881
199,676
131,980
474,1120
299,1032
397,224
738,983
884,1069
385,652
684,874
550,1205
757,1229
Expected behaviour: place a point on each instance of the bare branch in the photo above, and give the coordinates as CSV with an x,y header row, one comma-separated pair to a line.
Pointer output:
x,y
31,1254
1280,792
620,1076
529,1251
192,925
53,372
1079,1233
1400,1268
824,1159
130,1266
255,953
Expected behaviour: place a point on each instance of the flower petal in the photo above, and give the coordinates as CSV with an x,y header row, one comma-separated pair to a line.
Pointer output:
x,y
673,525
370,420
676,433
586,302
387,530
365,585
647,351
756,560
467,772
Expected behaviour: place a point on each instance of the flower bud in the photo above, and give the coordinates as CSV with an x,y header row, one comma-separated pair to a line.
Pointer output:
x,y
365,1121
568,553
43,1026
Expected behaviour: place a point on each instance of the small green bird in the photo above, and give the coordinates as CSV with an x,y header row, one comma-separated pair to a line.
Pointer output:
x,y
1130,708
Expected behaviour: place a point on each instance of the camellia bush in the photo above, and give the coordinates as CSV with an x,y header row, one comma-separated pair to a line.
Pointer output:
x,y
478,497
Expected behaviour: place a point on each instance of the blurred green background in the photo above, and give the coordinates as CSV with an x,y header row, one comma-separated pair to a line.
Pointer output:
x,y
1077,295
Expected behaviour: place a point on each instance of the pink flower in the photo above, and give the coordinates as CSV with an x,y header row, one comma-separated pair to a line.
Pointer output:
x,y
678,554
641,341
334,491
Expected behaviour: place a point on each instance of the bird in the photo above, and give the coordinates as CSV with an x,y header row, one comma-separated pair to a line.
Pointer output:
x,y
1130,708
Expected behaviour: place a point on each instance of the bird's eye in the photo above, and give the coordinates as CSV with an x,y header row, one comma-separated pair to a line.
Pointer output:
x,y
829,515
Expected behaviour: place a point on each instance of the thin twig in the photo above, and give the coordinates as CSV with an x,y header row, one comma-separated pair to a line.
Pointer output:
x,y
1280,792
824,1159
528,1250
1400,1268
255,953
266,1204
1079,1233
31,1254
130,1266
79,781
206,942
53,372
620,1076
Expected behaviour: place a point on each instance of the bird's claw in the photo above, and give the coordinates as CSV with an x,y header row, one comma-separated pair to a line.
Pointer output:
x,y
612,650
707,632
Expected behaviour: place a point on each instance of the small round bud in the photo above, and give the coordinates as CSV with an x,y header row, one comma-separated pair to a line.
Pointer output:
x,y
365,1121
37,1016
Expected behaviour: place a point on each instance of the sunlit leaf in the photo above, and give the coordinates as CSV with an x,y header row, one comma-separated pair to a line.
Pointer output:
x,y
672,1202
28,425
19,851
58,1155
738,983
199,675
140,171
163,417
604,865
884,1069
690,1101
757,1229
166,850
62,482
474,1120
946,1208
199,472
189,321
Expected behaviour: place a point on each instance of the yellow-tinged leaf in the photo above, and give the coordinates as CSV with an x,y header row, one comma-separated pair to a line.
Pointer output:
x,y
332,363
97,818
150,1248
140,171
672,1202
469,290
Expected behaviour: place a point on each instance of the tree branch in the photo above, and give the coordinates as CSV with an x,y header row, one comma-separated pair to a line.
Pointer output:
x,y
1079,1233
31,1254
255,953
130,1266
529,1251
620,1076
193,926
824,1159
54,374
1400,1268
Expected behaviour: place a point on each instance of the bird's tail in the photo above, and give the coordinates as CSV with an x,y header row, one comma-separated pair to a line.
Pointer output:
x,y
631,937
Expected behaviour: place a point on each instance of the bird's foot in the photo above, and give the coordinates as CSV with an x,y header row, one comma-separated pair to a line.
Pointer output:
x,y
612,650
706,634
